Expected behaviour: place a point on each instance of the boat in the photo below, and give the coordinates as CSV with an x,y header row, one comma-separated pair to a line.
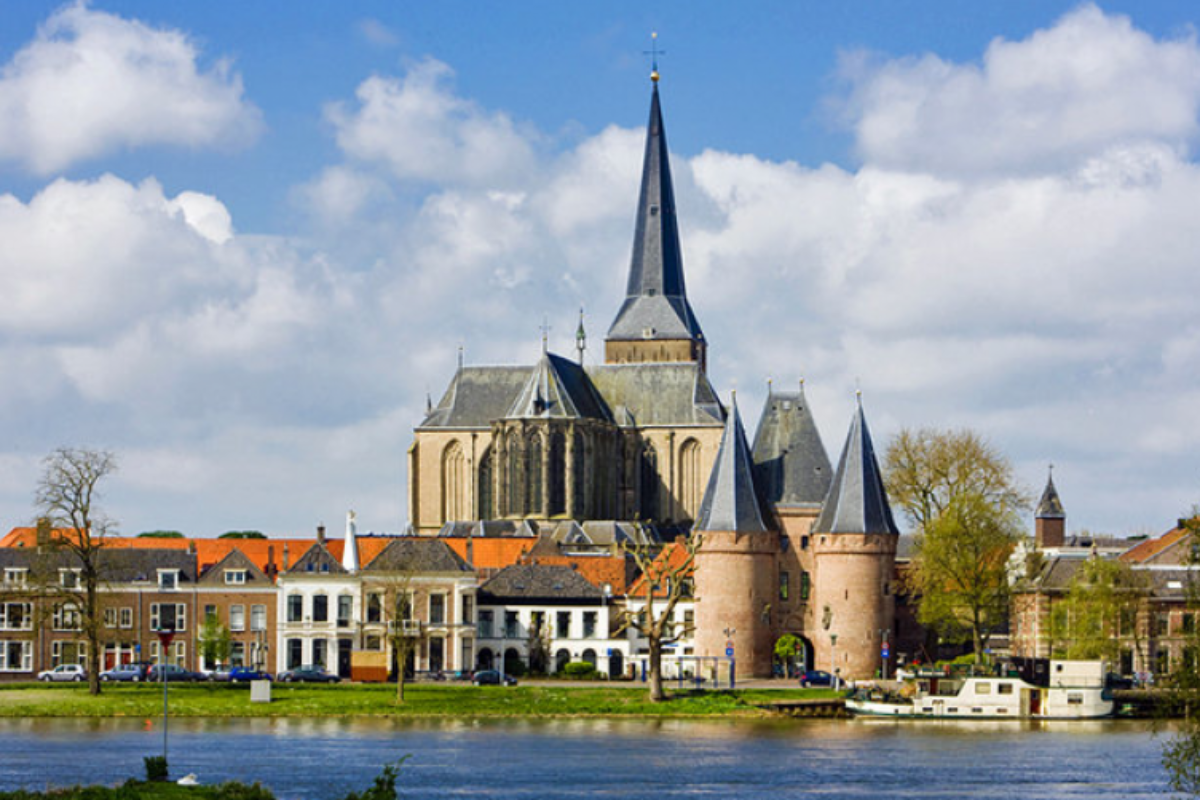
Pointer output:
x,y
1047,690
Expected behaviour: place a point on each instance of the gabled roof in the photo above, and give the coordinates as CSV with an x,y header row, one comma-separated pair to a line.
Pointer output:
x,y
116,565
317,560
558,389
656,305
731,500
1173,547
791,466
533,582
857,501
1050,506
477,396
235,560
417,554
673,556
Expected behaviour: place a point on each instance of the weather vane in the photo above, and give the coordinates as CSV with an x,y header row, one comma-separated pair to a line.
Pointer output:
x,y
654,53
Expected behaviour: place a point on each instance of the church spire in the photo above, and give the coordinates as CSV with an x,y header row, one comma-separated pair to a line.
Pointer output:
x,y
731,500
656,323
857,501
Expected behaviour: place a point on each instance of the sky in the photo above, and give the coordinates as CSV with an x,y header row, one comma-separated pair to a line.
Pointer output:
x,y
244,242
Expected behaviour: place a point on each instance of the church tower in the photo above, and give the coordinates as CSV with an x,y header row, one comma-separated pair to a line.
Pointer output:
x,y
854,553
735,562
656,323
1050,520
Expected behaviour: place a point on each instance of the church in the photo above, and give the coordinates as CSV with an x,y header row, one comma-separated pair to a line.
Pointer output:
x,y
643,441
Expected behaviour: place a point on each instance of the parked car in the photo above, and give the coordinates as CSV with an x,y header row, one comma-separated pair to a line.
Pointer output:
x,y
816,677
220,674
308,674
491,677
64,672
171,672
247,674
125,673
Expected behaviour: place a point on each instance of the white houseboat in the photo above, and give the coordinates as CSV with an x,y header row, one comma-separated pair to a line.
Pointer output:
x,y
1067,690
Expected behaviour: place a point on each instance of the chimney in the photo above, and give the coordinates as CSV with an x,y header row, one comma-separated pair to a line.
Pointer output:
x,y
191,547
271,561
350,553
286,559
321,535
43,532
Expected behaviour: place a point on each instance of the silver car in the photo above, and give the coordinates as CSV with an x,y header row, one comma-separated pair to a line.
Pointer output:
x,y
64,672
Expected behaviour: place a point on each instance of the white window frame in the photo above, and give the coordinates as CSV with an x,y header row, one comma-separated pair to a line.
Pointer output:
x,y
168,580
26,617
25,657
126,617
237,617
16,576
66,617
180,616
258,617
235,577
69,578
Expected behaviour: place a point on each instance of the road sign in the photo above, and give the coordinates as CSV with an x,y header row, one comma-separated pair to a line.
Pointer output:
x,y
886,652
729,652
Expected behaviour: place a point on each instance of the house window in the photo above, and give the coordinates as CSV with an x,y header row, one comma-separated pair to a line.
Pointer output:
x,y
374,608
805,585
345,611
62,652
485,623
437,609
16,576
1162,662
437,654
1162,623
320,608
563,625
16,656
784,585
235,577
126,617
16,616
512,629
168,617
295,653
295,607
237,617
1189,623
258,618
69,578
320,648
589,624
210,613
179,654
689,622
373,643
168,580
66,617
110,618
468,609
237,654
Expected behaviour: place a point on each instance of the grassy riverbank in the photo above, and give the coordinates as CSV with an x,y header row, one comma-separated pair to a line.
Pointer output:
x,y
420,700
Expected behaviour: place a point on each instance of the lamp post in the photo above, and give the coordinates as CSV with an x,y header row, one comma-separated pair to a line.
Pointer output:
x,y
165,634
730,654
833,660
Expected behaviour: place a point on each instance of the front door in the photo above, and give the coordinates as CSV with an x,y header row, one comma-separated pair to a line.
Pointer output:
x,y
345,647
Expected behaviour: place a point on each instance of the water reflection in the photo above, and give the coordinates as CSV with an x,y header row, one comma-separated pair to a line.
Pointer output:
x,y
322,759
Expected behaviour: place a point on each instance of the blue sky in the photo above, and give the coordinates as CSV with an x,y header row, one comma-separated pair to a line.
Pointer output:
x,y
245,240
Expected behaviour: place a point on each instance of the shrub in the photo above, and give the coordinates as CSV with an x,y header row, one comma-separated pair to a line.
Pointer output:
x,y
384,787
579,671
156,768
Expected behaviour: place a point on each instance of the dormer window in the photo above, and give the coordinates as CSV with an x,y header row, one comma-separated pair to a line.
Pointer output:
x,y
16,576
235,577
168,580
68,578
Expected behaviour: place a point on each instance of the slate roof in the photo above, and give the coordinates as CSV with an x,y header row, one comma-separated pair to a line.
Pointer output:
x,y
731,501
477,396
116,566
791,466
857,501
658,394
656,305
558,388
317,560
1050,506
419,555
538,582
235,559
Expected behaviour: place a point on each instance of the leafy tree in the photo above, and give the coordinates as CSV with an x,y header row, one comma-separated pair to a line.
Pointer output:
x,y
1101,603
66,497
666,578
1181,753
161,535
242,535
216,642
961,496
786,648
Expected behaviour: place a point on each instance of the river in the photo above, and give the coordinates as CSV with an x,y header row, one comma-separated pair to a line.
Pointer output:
x,y
313,759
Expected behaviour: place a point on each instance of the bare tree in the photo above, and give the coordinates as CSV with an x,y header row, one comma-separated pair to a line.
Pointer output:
x,y
397,612
66,498
666,578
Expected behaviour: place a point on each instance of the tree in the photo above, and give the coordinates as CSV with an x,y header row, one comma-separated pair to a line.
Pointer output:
x,y
216,642
666,578
787,647
1099,610
242,535
161,535
960,495
1181,753
394,590
66,497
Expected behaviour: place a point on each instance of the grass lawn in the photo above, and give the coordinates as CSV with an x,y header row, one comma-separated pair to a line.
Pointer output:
x,y
420,700
140,790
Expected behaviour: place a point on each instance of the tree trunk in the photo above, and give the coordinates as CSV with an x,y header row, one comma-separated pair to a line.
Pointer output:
x,y
92,628
656,685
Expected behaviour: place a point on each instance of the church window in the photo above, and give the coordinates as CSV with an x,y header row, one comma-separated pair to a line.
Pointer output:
x,y
558,474
579,489
648,483
805,585
486,508
453,483
690,481
784,585
513,478
533,476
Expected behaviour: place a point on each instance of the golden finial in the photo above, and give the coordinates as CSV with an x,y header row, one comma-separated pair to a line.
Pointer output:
x,y
654,53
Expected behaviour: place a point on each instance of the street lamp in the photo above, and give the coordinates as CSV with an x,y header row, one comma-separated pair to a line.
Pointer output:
x,y
826,623
729,653
165,634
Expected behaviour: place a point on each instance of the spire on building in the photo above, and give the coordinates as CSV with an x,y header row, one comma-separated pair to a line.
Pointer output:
x,y
656,307
791,465
350,551
731,500
580,337
857,501
1050,506
1049,520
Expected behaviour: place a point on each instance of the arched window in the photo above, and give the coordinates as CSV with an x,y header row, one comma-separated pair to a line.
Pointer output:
x,y
533,476
454,500
512,478
578,457
648,483
558,474
486,508
691,484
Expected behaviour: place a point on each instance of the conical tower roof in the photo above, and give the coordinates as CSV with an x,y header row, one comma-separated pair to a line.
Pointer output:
x,y
1050,506
731,500
857,501
791,465
656,305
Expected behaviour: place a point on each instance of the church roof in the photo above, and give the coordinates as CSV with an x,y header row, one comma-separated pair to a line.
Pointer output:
x,y
658,394
477,396
1050,506
791,466
857,501
558,388
731,501
656,305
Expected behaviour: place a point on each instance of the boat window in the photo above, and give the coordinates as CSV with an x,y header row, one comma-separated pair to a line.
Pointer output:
x,y
983,687
1004,688
1074,699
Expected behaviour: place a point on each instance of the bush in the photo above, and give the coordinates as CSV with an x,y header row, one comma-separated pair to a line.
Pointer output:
x,y
156,768
384,787
579,671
